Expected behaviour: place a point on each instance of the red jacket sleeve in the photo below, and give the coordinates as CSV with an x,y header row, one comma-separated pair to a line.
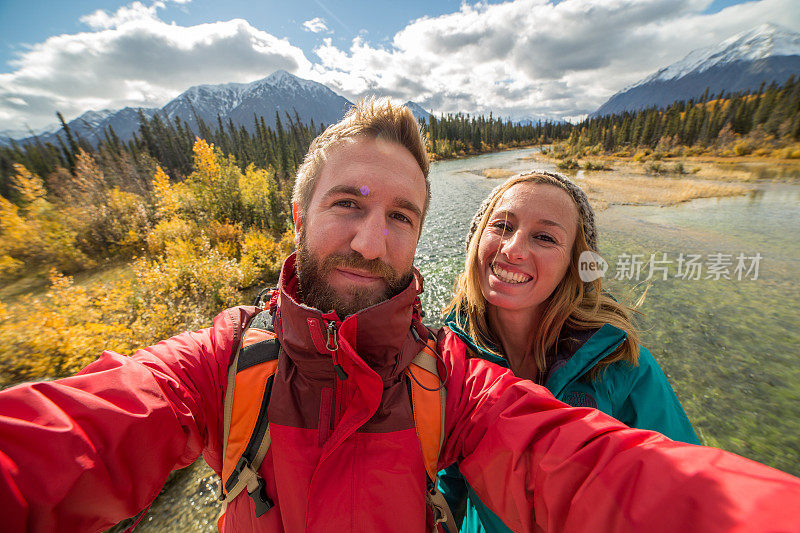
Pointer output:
x,y
84,452
541,465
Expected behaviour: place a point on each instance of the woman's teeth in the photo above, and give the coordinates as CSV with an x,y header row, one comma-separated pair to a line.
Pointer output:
x,y
509,277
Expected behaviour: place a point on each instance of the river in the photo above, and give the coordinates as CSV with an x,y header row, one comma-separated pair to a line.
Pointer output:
x,y
727,341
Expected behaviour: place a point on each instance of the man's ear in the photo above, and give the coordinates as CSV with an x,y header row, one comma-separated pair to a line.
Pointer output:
x,y
297,222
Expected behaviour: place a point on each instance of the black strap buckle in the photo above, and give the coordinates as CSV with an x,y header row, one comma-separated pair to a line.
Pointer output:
x,y
260,499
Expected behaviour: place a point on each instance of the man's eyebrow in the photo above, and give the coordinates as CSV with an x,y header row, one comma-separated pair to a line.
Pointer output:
x,y
402,203
342,189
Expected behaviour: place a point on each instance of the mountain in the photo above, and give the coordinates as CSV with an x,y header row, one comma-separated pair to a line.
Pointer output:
x,y
764,54
279,92
533,121
418,112
6,135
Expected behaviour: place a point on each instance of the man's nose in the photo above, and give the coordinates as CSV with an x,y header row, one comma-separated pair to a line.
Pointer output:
x,y
370,237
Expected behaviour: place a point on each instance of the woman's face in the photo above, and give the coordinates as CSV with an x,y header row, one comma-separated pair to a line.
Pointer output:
x,y
526,247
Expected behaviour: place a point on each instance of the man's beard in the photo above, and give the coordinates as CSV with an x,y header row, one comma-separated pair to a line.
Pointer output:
x,y
316,292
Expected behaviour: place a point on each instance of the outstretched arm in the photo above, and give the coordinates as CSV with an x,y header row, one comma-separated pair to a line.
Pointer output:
x,y
82,453
541,465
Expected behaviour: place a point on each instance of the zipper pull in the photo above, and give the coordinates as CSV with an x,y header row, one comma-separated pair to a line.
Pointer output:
x,y
332,345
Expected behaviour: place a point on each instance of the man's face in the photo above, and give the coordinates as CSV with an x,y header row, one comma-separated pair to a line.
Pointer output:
x,y
356,244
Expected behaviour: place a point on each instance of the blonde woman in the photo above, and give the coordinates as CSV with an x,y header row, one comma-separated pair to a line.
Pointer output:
x,y
521,303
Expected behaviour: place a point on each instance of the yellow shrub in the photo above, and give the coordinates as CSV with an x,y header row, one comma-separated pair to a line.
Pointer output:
x,y
10,267
28,186
36,235
225,238
168,231
167,197
126,221
183,288
262,256
59,333
742,148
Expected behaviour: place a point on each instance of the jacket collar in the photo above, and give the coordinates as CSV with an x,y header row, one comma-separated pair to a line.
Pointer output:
x,y
380,335
573,355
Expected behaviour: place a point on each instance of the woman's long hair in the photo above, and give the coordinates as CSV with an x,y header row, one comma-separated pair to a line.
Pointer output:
x,y
574,303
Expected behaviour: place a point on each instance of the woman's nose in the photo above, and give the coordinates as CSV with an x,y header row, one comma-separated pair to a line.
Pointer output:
x,y
513,246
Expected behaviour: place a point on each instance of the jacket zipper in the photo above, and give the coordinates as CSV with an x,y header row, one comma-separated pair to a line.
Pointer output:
x,y
332,345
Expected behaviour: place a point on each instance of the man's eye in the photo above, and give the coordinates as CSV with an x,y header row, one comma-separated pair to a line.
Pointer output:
x,y
401,217
345,203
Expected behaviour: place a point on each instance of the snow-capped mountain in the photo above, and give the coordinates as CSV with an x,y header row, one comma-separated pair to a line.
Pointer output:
x,y
279,92
418,112
6,135
764,54
533,121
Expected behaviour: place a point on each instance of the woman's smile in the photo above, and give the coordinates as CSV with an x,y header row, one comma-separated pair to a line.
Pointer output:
x,y
508,276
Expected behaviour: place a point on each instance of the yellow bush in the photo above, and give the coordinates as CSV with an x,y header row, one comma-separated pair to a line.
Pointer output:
x,y
125,220
168,231
59,333
262,256
183,288
10,267
28,186
743,148
167,197
225,238
35,234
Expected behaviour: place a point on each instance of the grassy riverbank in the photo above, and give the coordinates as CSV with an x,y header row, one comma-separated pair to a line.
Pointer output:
x,y
650,179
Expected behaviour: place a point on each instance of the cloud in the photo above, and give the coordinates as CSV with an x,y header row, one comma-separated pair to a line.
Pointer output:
x,y
132,58
533,57
315,25
521,58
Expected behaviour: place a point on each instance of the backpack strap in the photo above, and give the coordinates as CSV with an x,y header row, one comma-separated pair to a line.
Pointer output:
x,y
246,436
428,400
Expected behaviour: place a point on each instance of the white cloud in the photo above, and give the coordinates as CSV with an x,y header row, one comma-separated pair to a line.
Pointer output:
x,y
315,25
135,59
520,58
136,12
531,57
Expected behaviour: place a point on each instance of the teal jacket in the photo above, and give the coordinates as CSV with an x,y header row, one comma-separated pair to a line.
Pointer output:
x,y
640,396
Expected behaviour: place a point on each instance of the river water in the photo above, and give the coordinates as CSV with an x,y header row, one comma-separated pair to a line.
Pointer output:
x,y
727,341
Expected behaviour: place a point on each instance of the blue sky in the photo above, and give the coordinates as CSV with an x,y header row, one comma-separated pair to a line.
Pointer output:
x,y
346,19
520,58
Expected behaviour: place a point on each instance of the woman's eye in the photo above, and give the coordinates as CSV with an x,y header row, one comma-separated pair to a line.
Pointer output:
x,y
503,226
546,238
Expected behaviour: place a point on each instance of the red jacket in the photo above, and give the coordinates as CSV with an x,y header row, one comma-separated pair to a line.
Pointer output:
x,y
81,453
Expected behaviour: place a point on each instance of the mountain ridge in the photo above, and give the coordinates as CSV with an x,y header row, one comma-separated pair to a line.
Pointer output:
x,y
765,53
279,92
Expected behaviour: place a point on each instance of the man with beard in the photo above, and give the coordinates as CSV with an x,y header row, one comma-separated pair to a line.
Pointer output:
x,y
81,453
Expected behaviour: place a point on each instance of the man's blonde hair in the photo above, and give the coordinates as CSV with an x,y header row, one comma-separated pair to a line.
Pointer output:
x,y
371,119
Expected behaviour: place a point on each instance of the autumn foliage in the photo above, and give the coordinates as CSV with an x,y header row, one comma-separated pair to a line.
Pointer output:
x,y
188,248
